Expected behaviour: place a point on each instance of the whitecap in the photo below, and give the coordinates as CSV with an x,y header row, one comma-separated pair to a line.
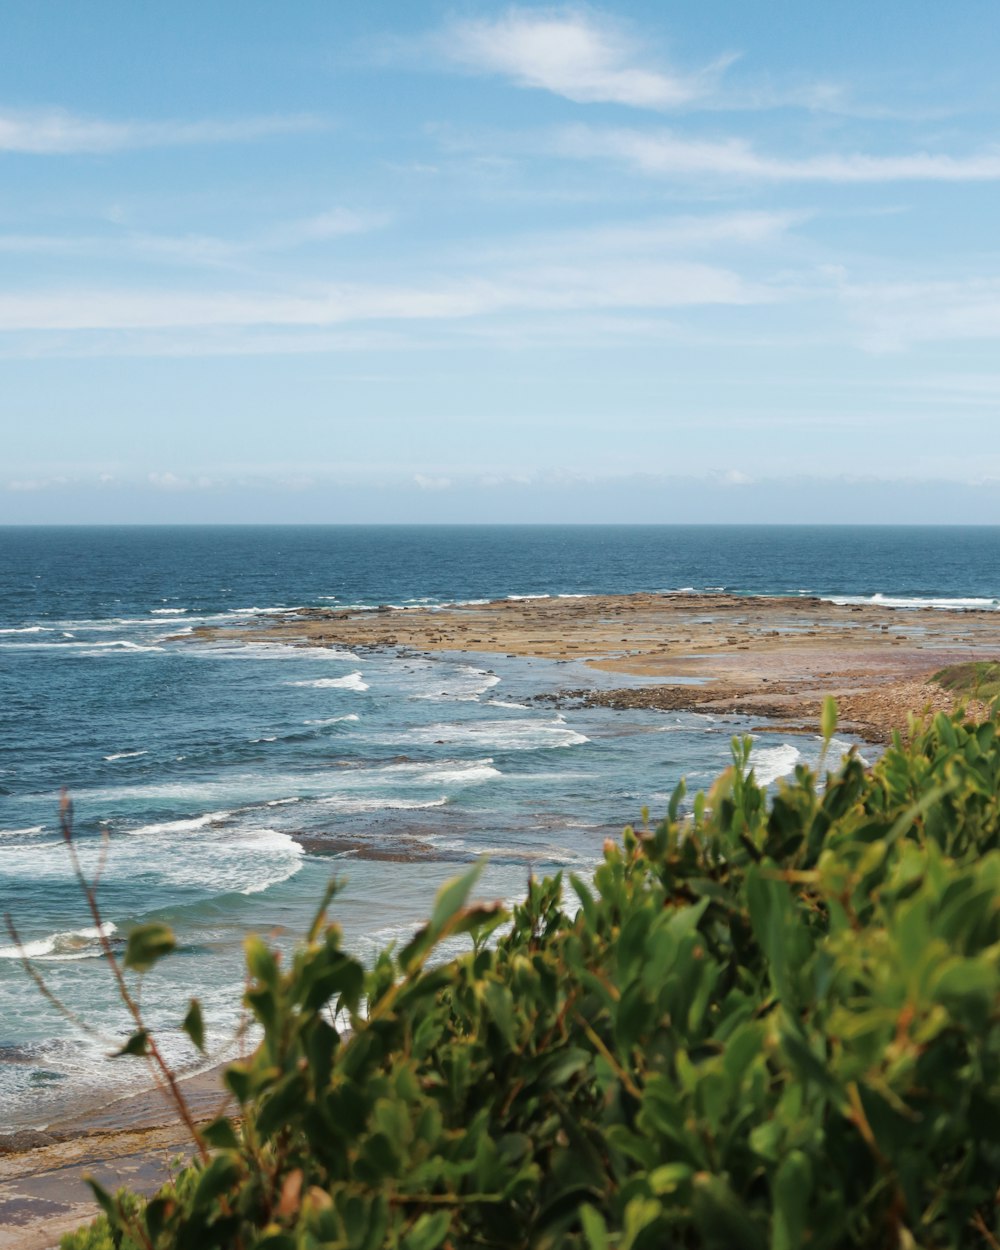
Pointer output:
x,y
333,720
71,944
349,804
120,644
125,755
27,629
770,763
353,681
917,601
464,686
496,735
187,825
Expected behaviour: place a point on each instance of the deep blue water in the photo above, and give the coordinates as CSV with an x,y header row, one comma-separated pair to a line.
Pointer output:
x,y
233,779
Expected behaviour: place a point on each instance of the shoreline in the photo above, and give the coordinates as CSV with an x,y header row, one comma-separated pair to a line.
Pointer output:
x,y
769,657
131,1141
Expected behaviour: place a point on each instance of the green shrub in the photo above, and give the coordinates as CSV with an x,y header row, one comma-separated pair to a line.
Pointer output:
x,y
768,1023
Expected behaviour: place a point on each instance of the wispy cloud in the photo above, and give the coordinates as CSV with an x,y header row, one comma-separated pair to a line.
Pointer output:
x,y
53,132
663,152
199,249
573,53
893,316
564,288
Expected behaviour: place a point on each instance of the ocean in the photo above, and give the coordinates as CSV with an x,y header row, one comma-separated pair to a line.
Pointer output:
x,y
232,781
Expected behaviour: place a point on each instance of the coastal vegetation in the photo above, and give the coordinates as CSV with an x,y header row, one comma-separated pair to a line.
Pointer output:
x,y
767,1020
976,679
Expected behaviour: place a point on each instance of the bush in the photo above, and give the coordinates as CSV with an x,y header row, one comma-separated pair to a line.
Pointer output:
x,y
767,1023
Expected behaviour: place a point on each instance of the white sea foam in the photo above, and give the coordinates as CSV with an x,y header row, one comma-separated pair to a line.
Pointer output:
x,y
520,707
200,854
288,865
770,763
30,831
349,804
258,741
188,825
167,611
918,601
472,776
353,681
120,644
27,629
519,598
463,686
333,720
125,755
493,735
262,611
72,944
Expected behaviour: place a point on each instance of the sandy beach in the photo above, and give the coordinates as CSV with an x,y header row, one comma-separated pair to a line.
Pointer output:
x,y
773,658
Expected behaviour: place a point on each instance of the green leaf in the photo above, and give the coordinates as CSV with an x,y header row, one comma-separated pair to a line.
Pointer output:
x,y
453,895
158,1211
500,1003
828,718
221,1134
219,1177
104,1201
261,961
594,1228
137,1044
428,1232
193,1024
791,1191
147,944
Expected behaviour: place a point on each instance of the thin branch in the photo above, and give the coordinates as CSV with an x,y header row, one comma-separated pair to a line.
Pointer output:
x,y
154,1053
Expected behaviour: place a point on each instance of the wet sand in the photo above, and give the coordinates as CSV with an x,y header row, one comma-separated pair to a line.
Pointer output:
x,y
131,1141
771,658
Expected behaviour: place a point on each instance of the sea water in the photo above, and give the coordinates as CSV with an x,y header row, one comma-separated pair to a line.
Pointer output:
x,y
217,787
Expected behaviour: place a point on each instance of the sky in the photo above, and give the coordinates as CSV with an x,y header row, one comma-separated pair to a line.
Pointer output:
x,y
636,261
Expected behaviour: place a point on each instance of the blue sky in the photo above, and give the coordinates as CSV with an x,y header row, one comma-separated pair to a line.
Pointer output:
x,y
429,262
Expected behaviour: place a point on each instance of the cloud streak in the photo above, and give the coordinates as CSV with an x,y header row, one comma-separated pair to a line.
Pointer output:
x,y
563,288
893,316
200,249
56,132
577,55
664,153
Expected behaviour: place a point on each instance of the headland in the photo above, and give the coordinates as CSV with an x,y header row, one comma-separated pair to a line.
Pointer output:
x,y
768,658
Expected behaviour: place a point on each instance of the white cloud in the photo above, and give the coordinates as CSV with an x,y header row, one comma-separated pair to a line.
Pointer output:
x,y
431,483
893,316
572,53
566,288
212,251
168,481
665,153
52,132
